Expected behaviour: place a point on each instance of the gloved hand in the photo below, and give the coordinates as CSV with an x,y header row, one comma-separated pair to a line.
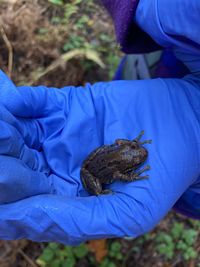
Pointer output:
x,y
24,171
65,125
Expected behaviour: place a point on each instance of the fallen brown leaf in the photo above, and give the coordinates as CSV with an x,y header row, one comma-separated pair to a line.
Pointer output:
x,y
98,247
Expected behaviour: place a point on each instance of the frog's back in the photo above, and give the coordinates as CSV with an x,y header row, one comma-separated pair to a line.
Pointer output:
x,y
101,163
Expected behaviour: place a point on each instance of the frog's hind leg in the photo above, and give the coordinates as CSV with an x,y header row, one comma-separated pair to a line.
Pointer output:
x,y
146,168
136,176
107,191
129,177
90,182
122,177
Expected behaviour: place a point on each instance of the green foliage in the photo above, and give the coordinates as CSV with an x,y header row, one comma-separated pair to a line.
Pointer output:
x,y
69,9
42,31
74,42
114,255
195,223
165,245
80,251
113,62
107,263
55,255
178,240
115,251
68,19
177,230
56,2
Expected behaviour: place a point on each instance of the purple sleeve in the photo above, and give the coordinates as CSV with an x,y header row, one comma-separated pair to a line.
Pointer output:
x,y
147,25
131,38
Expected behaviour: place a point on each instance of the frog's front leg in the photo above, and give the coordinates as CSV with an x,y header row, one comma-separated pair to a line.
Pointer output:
x,y
126,141
137,139
129,177
90,182
139,136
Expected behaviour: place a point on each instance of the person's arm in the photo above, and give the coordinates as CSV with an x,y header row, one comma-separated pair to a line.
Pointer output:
x,y
147,25
131,38
175,25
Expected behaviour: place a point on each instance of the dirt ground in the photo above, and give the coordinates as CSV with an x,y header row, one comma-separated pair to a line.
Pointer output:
x,y
34,35
30,42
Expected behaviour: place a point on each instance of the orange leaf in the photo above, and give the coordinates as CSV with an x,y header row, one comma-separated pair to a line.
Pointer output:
x,y
98,247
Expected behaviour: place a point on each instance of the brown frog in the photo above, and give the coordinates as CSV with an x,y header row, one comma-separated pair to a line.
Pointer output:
x,y
114,162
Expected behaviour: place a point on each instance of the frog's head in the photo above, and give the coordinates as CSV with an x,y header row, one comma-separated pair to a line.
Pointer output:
x,y
131,152
138,153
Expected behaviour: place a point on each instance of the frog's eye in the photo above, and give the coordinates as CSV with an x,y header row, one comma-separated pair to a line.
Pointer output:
x,y
134,144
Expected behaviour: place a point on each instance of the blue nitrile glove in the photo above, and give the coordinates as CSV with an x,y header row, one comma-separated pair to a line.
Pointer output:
x,y
175,25
18,163
66,125
24,171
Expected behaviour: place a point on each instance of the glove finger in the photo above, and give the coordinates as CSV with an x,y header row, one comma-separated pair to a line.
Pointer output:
x,y
10,96
18,181
30,102
13,100
12,144
26,128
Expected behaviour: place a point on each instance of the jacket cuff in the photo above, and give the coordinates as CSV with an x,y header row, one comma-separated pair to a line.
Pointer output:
x,y
130,37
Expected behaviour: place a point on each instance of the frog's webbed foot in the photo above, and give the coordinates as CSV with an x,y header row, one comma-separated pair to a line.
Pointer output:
x,y
136,176
146,168
90,183
107,191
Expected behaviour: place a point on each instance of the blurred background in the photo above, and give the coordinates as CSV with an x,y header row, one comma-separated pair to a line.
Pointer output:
x,y
58,43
